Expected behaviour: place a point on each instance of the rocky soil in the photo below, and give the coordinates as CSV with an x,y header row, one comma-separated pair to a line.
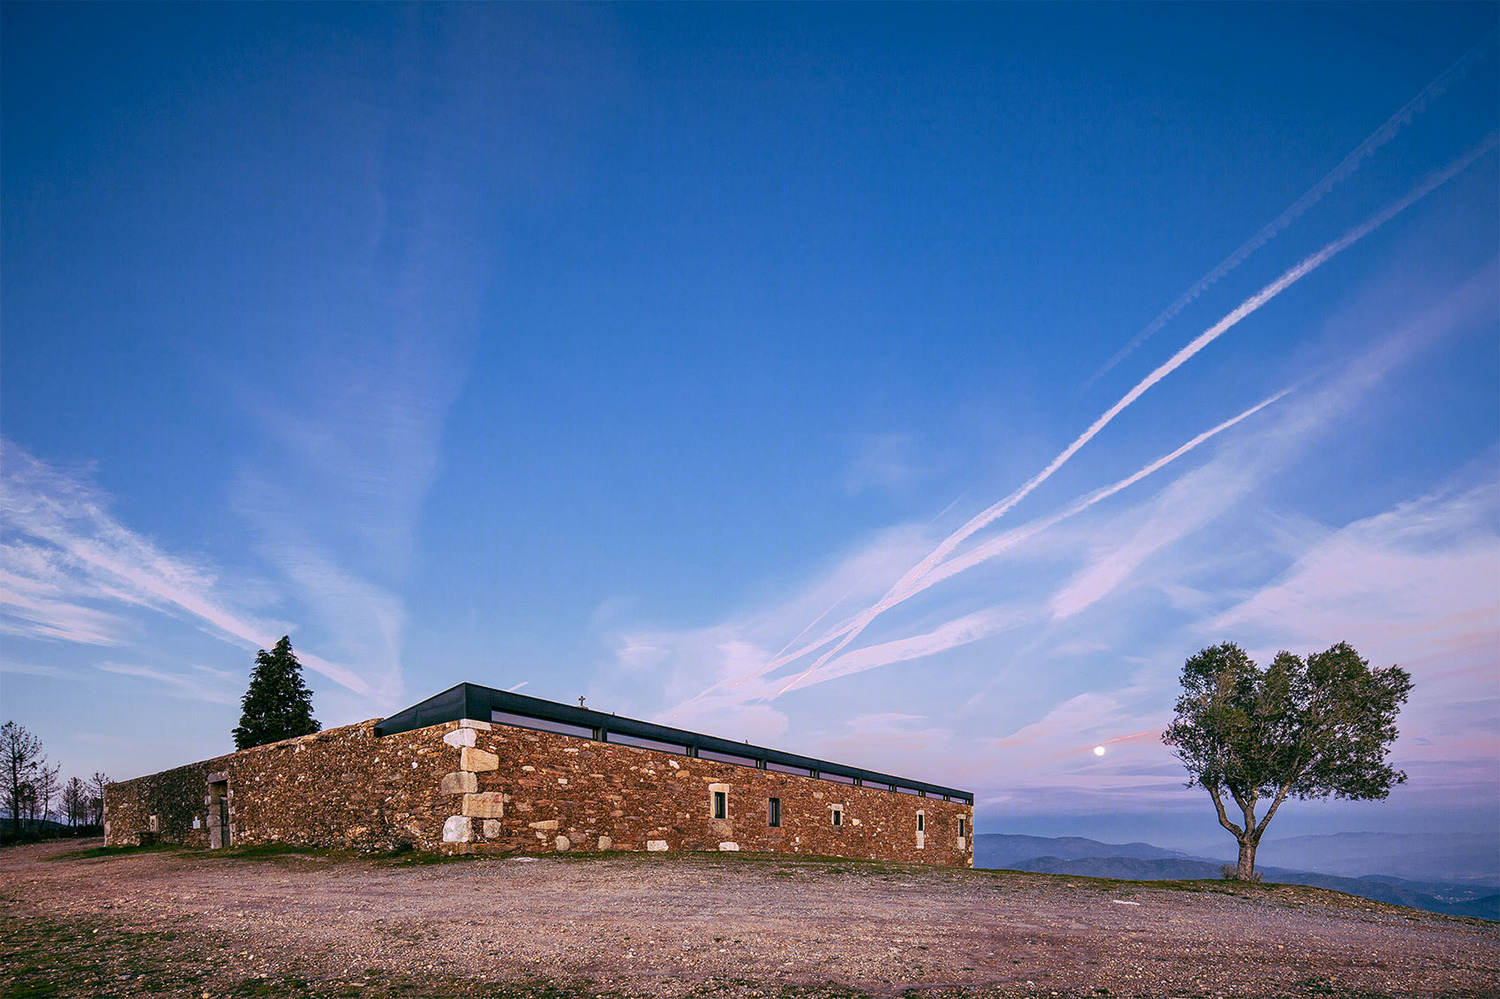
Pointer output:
x,y
201,923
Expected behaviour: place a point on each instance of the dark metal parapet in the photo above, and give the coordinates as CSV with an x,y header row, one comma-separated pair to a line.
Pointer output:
x,y
470,700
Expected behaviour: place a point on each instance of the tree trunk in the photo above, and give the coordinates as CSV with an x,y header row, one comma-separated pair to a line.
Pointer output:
x,y
1246,869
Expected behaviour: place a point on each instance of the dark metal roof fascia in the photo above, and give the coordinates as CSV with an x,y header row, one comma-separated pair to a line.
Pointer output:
x,y
470,700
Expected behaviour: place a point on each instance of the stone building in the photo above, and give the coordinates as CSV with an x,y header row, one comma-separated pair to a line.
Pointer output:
x,y
478,770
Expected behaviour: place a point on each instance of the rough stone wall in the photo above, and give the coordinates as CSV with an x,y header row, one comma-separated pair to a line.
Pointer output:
x,y
516,790
341,788
174,797
472,787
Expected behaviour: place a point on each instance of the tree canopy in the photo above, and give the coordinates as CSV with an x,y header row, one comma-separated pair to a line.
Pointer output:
x,y
277,705
1299,728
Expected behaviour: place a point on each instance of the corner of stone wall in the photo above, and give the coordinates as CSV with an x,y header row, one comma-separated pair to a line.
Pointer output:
x,y
477,814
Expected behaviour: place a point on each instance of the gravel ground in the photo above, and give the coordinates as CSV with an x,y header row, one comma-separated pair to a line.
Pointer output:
x,y
206,923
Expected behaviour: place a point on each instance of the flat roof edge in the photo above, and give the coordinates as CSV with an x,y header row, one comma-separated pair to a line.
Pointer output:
x,y
476,702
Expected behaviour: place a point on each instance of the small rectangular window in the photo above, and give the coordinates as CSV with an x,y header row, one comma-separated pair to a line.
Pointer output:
x,y
960,828
838,816
721,805
774,813
921,822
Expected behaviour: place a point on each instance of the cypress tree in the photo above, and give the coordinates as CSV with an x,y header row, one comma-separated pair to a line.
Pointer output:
x,y
277,704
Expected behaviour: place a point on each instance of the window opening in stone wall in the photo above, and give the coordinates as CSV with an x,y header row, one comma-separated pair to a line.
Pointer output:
x,y
838,815
773,813
721,805
541,724
836,778
640,743
960,828
921,822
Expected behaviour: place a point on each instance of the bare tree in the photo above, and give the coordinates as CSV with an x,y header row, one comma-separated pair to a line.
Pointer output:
x,y
21,763
75,802
96,787
26,804
47,788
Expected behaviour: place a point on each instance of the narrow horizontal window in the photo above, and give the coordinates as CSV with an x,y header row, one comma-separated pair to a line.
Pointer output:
x,y
901,789
836,778
787,768
708,754
773,816
639,743
541,724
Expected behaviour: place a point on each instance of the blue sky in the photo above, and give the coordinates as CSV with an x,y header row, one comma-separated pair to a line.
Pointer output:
x,y
758,369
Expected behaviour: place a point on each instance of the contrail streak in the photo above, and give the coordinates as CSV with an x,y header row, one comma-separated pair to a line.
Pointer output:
x,y
988,550
1008,540
1316,193
993,547
781,658
1177,360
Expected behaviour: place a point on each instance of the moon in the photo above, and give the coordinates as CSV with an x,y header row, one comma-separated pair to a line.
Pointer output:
x,y
1098,750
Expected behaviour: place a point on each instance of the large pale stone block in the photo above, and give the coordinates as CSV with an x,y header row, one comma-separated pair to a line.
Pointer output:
x,y
476,760
548,826
605,843
460,737
489,805
563,844
729,847
458,829
656,845
460,783
491,828
483,726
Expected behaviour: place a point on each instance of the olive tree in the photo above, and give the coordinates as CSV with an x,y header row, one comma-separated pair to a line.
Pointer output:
x,y
1299,728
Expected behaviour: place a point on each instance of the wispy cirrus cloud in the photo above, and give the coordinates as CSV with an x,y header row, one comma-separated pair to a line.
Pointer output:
x,y
74,573
1085,575
952,633
935,558
344,464
1204,494
1419,581
209,685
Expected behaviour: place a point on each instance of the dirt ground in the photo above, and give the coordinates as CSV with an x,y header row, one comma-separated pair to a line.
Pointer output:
x,y
200,923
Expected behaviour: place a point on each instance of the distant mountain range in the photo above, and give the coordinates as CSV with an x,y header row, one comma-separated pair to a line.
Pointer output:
x,y
1456,857
1074,855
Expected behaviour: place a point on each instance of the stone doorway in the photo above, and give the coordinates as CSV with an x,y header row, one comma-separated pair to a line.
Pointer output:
x,y
220,829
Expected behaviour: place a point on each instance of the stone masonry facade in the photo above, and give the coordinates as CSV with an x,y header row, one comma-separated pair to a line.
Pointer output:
x,y
476,787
